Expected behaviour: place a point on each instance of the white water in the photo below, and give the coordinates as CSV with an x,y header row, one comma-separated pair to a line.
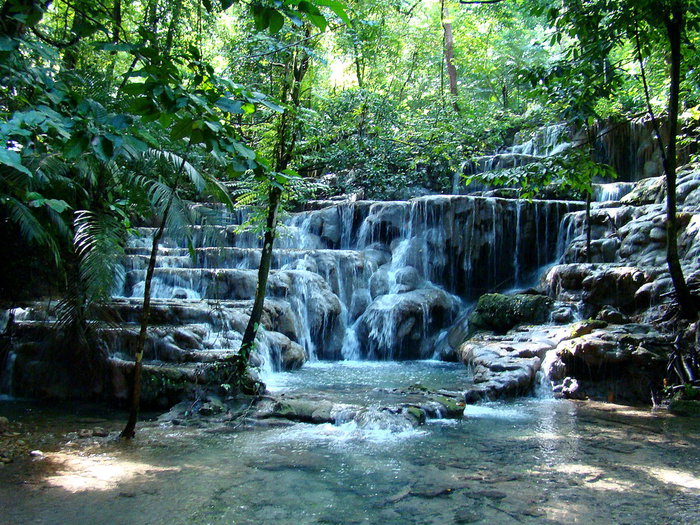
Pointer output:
x,y
392,274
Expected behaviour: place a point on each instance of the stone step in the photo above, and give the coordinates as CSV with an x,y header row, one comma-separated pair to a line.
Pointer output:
x,y
320,260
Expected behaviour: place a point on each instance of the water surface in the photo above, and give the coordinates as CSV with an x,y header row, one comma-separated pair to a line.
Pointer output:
x,y
527,461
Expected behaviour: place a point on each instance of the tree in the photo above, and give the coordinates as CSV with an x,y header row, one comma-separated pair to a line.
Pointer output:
x,y
597,28
449,53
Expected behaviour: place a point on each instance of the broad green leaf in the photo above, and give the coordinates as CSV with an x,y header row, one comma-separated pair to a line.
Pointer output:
x,y
272,106
181,129
276,21
14,160
59,206
319,21
337,7
230,106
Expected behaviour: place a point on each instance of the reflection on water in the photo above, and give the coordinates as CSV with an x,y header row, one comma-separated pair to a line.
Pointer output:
x,y
527,461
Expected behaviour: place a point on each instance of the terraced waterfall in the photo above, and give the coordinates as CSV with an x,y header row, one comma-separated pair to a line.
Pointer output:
x,y
350,280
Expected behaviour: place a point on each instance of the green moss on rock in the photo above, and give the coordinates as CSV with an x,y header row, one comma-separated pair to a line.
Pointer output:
x,y
685,407
499,313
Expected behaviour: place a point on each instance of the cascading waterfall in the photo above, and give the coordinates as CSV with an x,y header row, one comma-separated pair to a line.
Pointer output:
x,y
355,280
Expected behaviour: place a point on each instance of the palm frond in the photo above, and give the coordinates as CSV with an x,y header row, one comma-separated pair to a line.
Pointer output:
x,y
178,162
30,227
99,243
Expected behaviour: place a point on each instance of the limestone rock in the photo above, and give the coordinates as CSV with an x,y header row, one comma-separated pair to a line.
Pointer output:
x,y
400,326
500,313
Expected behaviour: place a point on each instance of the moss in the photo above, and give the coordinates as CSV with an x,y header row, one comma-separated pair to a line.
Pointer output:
x,y
163,386
500,313
685,407
586,327
417,414
454,408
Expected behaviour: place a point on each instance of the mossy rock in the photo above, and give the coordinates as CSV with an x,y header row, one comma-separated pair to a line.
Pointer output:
x,y
586,327
499,313
685,407
417,414
163,386
454,408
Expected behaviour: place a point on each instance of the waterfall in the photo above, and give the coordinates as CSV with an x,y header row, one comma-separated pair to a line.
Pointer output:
x,y
612,191
547,141
350,280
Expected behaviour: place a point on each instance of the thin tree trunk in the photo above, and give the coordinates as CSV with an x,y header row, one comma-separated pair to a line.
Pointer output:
x,y
263,273
135,403
450,55
588,227
286,140
674,27
177,7
70,55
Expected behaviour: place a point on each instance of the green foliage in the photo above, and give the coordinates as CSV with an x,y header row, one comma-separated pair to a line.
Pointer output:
x,y
572,169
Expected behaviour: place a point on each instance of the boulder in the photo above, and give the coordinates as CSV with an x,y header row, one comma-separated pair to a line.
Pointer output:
x,y
499,313
407,279
401,326
286,354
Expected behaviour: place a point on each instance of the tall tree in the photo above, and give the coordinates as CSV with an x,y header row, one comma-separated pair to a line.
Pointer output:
x,y
448,44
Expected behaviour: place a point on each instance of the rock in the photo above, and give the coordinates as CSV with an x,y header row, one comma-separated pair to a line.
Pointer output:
x,y
309,410
500,313
464,516
402,326
586,327
379,283
213,405
491,494
570,389
685,407
287,355
361,299
610,314
100,432
407,279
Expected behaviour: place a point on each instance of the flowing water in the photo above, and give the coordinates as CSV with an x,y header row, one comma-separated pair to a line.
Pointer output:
x,y
527,461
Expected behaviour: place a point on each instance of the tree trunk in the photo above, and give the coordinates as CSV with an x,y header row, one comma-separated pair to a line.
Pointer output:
x,y
70,55
135,402
263,273
449,55
588,226
175,15
674,27
286,140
